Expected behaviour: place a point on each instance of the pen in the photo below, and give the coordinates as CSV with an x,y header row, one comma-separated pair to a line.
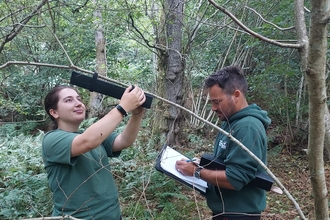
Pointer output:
x,y
191,160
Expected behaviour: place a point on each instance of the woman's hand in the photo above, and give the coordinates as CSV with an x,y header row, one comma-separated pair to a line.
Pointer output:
x,y
138,111
132,99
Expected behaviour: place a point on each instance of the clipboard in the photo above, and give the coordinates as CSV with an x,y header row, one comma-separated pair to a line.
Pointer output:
x,y
165,163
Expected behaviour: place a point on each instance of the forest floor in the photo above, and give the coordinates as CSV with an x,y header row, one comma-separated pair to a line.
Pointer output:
x,y
293,173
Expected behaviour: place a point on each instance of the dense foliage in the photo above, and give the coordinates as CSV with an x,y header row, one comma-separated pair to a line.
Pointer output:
x,y
23,185
144,192
64,30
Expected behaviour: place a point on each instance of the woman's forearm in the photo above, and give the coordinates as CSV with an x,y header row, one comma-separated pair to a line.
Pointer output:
x,y
129,134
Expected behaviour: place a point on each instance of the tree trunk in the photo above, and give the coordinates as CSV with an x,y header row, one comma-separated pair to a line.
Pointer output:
x,y
170,80
95,100
315,75
327,133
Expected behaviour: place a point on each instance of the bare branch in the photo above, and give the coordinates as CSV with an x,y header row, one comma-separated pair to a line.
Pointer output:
x,y
51,16
54,218
71,67
140,34
80,7
19,27
241,31
59,42
198,24
11,14
260,37
306,9
29,26
9,63
268,22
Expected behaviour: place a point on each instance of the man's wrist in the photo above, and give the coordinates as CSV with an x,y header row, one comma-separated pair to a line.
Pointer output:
x,y
197,172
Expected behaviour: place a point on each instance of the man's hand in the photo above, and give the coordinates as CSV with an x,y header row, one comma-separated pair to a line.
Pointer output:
x,y
185,168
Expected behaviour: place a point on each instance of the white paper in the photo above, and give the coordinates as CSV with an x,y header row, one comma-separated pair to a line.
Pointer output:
x,y
168,160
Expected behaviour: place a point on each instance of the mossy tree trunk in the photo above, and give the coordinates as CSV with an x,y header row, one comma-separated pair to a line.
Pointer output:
x,y
315,75
168,120
95,100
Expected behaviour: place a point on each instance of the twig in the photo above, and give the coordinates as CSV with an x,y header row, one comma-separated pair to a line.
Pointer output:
x,y
248,30
53,218
59,42
73,67
268,22
15,31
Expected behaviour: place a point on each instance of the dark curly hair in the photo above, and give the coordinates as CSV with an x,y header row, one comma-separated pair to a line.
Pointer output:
x,y
230,78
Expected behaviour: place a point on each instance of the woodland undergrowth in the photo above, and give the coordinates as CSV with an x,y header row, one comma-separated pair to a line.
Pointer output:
x,y
144,192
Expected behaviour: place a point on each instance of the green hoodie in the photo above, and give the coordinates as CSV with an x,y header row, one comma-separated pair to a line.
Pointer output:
x,y
249,127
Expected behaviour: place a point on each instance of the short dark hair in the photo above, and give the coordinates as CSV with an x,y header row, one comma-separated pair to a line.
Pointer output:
x,y
229,78
51,101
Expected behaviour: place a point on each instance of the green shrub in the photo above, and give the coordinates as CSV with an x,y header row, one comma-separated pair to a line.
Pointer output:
x,y
144,192
24,190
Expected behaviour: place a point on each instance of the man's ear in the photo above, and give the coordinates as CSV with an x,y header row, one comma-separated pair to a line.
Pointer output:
x,y
237,93
53,113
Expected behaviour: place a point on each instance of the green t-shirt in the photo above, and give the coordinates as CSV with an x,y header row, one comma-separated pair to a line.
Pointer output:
x,y
82,186
249,127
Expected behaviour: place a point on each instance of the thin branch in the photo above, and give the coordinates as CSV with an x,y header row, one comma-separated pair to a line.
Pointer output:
x,y
29,26
59,42
260,37
11,14
198,22
268,22
15,31
80,7
51,16
71,67
9,63
306,9
244,32
21,122
140,34
53,218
